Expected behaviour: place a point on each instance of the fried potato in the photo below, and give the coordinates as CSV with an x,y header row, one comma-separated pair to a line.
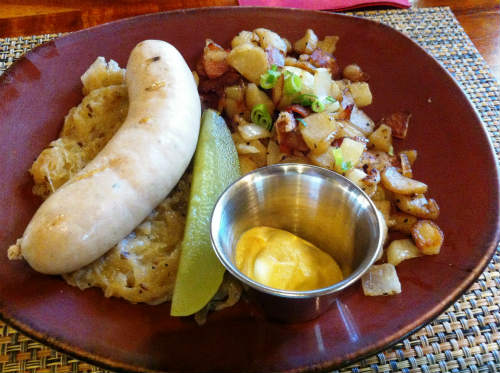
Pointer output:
x,y
395,182
381,138
428,237
403,222
361,93
328,44
268,38
417,205
398,122
381,280
249,60
307,44
400,250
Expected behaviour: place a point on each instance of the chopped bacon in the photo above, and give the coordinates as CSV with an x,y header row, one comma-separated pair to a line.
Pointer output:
x,y
214,59
289,137
398,122
298,109
200,70
345,114
217,85
275,57
320,58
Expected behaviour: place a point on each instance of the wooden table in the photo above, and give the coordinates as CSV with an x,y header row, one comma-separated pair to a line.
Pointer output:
x,y
479,18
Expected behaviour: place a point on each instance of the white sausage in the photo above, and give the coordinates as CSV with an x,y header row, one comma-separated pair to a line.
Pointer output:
x,y
132,174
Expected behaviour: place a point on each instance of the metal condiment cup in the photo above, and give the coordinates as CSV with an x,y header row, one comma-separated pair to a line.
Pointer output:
x,y
317,205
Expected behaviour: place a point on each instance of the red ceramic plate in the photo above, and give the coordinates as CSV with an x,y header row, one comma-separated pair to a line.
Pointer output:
x,y
455,159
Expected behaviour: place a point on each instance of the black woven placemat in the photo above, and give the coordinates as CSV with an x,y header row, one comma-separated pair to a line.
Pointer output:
x,y
466,337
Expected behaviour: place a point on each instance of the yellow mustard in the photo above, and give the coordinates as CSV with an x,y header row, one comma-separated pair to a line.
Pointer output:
x,y
280,259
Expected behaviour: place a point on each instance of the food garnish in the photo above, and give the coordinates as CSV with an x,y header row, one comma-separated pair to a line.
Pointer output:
x,y
215,166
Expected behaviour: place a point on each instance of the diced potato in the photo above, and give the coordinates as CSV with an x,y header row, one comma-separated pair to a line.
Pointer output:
x,y
326,159
249,60
246,148
319,131
405,165
335,91
342,84
395,182
244,37
356,176
268,38
384,207
234,102
307,44
403,222
361,121
254,96
361,93
273,153
232,108
400,250
322,82
381,138
381,280
235,92
328,44
347,129
354,73
246,164
417,205
351,152
411,154
377,159
306,77
428,237
251,131
398,122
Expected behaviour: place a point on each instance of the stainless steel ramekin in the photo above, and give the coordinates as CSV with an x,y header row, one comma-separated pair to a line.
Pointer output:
x,y
316,204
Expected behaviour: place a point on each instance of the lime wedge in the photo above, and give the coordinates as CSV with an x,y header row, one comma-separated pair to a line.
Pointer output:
x,y
215,167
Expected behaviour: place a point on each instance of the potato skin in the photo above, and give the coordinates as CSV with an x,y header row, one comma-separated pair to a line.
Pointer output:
x,y
133,173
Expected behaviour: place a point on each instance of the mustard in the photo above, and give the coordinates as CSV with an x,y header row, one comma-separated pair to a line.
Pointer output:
x,y
281,260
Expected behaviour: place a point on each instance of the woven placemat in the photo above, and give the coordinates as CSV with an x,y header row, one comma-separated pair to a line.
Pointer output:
x,y
466,337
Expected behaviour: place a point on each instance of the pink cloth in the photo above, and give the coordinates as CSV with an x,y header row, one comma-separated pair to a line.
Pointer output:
x,y
325,4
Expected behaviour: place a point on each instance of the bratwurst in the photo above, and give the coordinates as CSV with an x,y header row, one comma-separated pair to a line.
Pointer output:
x,y
134,172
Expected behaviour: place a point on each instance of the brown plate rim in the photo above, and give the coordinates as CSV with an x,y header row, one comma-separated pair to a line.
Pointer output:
x,y
383,343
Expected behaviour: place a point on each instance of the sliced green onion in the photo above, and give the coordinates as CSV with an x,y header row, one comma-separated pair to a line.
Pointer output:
x,y
339,159
293,83
391,151
302,121
346,166
269,79
330,99
305,99
337,154
261,117
317,106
